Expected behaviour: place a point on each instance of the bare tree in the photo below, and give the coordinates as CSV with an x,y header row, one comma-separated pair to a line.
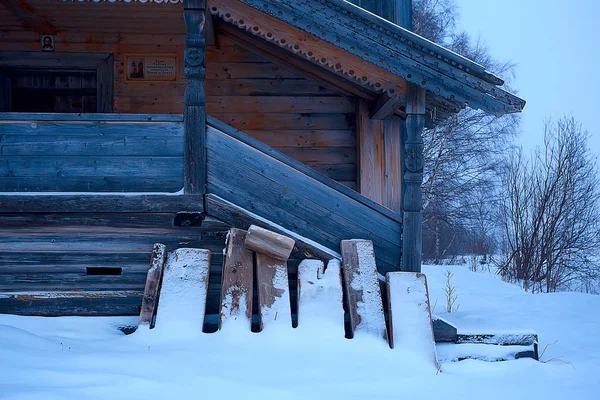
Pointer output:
x,y
464,154
551,213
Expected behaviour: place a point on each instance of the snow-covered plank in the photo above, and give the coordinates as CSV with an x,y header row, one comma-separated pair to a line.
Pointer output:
x,y
182,301
320,295
410,316
361,285
269,243
150,300
237,289
443,331
499,338
273,292
449,352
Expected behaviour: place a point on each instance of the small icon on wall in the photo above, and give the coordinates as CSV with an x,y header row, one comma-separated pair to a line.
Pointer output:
x,y
47,42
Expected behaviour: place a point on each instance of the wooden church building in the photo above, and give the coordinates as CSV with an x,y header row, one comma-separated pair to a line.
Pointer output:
x,y
129,122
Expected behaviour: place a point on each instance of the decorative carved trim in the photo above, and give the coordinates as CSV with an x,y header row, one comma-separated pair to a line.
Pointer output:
x,y
394,49
307,46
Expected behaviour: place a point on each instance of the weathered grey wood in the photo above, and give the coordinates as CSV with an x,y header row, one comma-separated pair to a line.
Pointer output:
x,y
237,289
386,106
409,322
361,285
243,219
269,243
443,331
234,133
99,203
194,15
501,339
104,78
274,306
15,116
152,288
412,235
92,184
84,303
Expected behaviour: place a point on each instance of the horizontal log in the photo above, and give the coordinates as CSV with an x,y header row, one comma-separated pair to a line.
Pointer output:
x,y
99,203
15,116
279,104
269,243
261,87
316,138
104,184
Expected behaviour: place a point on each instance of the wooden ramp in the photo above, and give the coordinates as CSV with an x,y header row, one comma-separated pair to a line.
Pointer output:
x,y
182,300
409,315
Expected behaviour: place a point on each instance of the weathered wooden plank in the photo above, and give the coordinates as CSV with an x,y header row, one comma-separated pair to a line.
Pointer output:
x,y
99,203
320,297
410,316
285,206
278,104
386,106
315,138
83,184
272,121
269,243
184,290
393,130
274,306
224,128
237,288
241,218
371,143
92,145
84,303
51,281
361,285
72,166
15,116
501,339
263,87
443,331
152,288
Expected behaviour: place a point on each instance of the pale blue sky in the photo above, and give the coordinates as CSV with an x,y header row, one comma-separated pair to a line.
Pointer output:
x,y
556,46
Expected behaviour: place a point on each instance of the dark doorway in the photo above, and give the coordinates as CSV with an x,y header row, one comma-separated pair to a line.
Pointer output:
x,y
54,91
56,82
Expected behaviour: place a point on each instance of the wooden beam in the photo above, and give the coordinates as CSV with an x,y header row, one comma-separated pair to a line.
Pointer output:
x,y
243,219
268,242
386,106
152,289
195,97
113,203
412,203
29,18
237,289
209,31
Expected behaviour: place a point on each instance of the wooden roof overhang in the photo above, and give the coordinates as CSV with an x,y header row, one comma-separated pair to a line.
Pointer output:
x,y
369,56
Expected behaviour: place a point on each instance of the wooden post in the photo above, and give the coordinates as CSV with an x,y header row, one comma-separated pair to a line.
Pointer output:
x,y
412,230
195,98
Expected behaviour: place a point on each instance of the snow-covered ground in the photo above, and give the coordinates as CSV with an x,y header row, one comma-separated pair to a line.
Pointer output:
x,y
88,358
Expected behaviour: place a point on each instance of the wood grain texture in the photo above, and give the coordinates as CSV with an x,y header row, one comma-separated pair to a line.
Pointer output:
x,y
361,285
274,306
152,288
269,243
237,288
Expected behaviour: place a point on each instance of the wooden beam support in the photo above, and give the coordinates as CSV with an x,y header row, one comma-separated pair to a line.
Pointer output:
x,y
269,243
152,289
195,97
386,105
29,18
412,232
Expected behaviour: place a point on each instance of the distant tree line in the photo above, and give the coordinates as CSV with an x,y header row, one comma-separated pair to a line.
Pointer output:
x,y
538,215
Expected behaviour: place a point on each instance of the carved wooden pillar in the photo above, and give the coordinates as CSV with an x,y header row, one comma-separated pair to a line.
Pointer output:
x,y
195,98
412,196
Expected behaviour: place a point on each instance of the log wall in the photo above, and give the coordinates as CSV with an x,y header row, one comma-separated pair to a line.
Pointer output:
x,y
276,106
